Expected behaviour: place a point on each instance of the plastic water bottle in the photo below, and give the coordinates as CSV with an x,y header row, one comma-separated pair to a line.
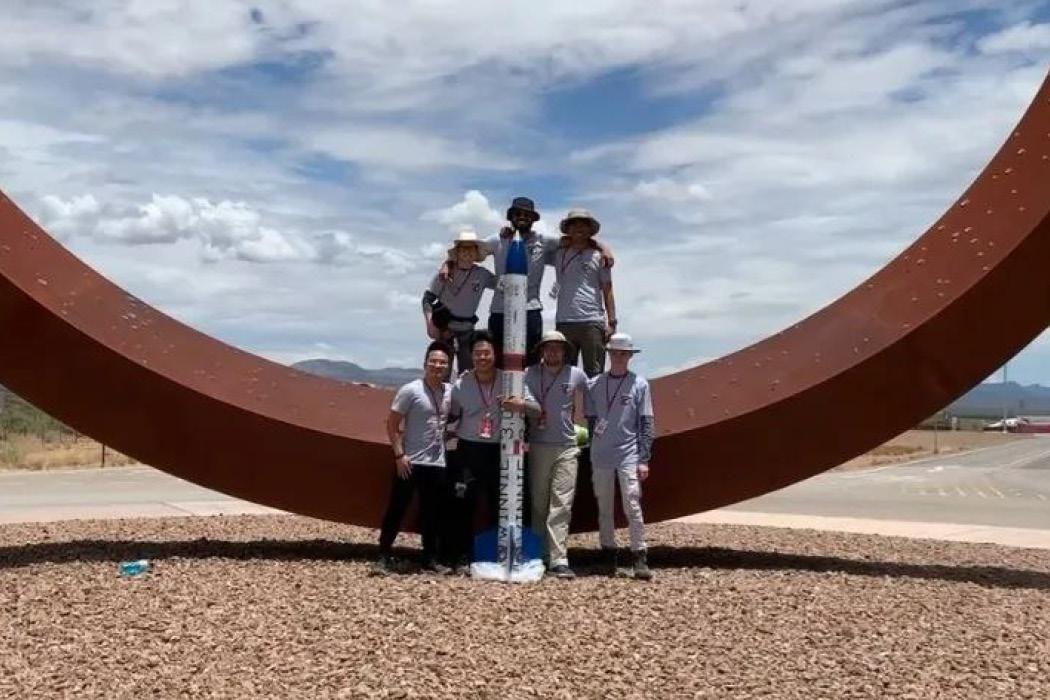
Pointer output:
x,y
134,568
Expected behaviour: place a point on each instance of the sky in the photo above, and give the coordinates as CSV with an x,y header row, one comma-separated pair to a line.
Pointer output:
x,y
285,175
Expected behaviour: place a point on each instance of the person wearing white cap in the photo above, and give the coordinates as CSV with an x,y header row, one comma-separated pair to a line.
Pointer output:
x,y
553,454
586,312
450,305
620,415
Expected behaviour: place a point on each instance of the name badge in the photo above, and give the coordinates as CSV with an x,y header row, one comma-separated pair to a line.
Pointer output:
x,y
488,426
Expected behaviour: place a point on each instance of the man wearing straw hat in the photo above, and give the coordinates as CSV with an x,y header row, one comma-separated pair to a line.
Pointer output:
x,y
552,448
586,312
450,305
620,415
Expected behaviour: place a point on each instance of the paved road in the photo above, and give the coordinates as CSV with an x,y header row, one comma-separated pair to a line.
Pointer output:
x,y
1006,486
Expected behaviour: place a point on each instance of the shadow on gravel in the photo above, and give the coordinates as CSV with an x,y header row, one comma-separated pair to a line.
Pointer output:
x,y
94,551
744,560
586,562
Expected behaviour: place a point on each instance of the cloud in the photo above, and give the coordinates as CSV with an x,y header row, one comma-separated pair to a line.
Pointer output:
x,y
224,230
473,212
1023,38
284,174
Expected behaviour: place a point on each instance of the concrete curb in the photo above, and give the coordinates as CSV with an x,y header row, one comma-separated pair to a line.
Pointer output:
x,y
947,532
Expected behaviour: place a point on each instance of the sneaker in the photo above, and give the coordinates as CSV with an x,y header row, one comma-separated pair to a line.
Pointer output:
x,y
381,566
642,572
435,567
561,571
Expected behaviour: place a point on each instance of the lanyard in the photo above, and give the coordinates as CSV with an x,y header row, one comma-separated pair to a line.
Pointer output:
x,y
433,398
457,290
544,392
492,388
565,263
611,399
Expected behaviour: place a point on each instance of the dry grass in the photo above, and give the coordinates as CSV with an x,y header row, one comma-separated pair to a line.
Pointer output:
x,y
31,453
916,444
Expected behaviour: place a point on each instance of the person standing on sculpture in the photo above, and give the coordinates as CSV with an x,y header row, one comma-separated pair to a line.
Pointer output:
x,y
521,216
586,312
451,302
416,429
477,405
553,454
620,415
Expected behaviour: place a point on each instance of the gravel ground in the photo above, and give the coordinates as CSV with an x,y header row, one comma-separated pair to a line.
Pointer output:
x,y
284,607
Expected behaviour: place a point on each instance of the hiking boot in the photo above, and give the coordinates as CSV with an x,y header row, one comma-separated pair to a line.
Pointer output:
x,y
642,572
435,567
381,566
609,560
561,571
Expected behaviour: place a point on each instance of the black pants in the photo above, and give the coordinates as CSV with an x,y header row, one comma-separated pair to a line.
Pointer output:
x,y
430,481
533,333
473,472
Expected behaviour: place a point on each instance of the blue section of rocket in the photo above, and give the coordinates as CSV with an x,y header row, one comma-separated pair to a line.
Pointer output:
x,y
517,257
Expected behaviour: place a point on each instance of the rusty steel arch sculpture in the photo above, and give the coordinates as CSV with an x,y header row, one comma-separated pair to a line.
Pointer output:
x,y
962,299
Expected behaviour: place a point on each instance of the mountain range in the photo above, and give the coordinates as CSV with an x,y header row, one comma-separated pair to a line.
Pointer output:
x,y
349,372
984,400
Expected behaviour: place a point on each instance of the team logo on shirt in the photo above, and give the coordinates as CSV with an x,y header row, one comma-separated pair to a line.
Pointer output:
x,y
625,399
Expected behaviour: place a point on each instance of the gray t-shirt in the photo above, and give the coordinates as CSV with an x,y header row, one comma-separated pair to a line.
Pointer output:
x,y
426,412
620,402
540,247
462,293
557,398
581,278
472,401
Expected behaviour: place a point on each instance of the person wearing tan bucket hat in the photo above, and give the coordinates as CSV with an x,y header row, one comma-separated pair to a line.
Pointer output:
x,y
583,287
620,416
450,306
553,454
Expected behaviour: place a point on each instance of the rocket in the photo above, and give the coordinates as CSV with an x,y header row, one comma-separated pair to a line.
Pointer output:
x,y
509,550
514,548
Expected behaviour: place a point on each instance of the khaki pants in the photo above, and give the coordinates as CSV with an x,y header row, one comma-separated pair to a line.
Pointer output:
x,y
604,479
552,481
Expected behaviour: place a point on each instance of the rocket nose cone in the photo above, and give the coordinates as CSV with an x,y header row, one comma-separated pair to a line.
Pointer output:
x,y
517,258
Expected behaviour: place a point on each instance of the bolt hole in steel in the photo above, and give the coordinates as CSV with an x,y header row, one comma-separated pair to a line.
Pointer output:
x,y
316,446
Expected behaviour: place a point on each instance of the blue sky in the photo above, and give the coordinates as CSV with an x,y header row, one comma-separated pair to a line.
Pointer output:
x,y
285,174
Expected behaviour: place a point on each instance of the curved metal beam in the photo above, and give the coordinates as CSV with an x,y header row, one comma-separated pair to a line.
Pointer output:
x,y
965,297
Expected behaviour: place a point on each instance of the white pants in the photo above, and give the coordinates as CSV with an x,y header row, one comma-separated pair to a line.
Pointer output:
x,y
605,478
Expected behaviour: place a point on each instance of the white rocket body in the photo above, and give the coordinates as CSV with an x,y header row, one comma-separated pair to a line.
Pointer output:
x,y
510,561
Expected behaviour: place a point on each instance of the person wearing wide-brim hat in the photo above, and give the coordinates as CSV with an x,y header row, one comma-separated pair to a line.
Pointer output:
x,y
450,306
586,311
620,415
553,453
